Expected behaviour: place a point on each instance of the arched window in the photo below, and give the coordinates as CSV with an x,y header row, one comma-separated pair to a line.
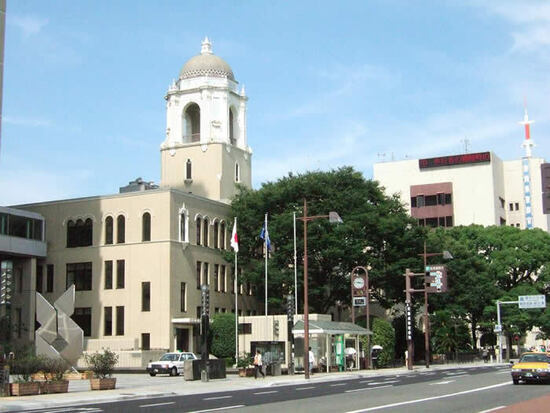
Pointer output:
x,y
237,173
192,124
87,235
232,139
188,171
80,233
184,233
109,230
71,234
222,235
215,234
120,229
205,230
146,227
198,230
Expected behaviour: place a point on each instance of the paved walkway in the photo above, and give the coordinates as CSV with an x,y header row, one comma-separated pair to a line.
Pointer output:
x,y
136,386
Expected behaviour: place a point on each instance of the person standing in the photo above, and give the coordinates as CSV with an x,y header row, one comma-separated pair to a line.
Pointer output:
x,y
311,358
258,364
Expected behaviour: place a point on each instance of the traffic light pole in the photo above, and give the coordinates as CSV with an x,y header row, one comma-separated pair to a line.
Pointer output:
x,y
205,324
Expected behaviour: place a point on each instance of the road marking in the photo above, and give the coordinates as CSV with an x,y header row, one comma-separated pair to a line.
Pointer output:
x,y
337,384
368,388
219,408
442,382
157,404
444,396
267,392
383,382
504,372
493,409
365,381
305,388
217,398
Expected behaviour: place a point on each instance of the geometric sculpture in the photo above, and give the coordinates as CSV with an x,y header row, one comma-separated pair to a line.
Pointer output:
x,y
59,336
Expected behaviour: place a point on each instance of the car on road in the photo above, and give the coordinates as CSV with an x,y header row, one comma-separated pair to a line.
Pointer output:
x,y
532,367
170,363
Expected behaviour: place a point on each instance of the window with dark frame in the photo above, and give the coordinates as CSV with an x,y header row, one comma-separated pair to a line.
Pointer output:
x,y
146,227
198,227
420,201
146,341
49,278
222,235
79,233
146,296
223,288
517,206
121,229
109,230
205,268
199,272
108,321
39,278
108,275
79,274
205,232
83,317
120,270
188,169
216,277
120,320
215,234
183,297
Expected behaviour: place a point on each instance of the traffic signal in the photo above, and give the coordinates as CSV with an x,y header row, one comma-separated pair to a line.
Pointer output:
x,y
290,306
205,300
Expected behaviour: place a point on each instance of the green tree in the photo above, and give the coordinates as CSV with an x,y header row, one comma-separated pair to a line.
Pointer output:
x,y
222,335
376,231
451,333
383,335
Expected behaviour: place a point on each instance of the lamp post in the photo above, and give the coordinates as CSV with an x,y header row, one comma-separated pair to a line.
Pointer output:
x,y
333,218
447,255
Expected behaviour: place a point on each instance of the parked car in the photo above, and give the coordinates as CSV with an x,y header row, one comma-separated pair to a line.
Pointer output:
x,y
532,367
170,363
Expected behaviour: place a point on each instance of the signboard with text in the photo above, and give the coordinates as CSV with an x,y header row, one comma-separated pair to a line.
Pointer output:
x,y
436,278
464,159
532,301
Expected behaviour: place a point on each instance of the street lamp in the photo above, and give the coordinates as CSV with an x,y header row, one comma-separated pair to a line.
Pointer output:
x,y
334,218
448,256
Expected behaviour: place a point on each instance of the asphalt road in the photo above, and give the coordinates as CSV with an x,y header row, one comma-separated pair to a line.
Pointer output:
x,y
466,390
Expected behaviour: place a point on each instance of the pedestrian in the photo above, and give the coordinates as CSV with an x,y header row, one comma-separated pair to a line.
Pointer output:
x,y
311,358
485,354
258,364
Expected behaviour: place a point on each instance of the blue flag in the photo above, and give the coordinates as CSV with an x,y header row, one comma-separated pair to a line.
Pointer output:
x,y
264,234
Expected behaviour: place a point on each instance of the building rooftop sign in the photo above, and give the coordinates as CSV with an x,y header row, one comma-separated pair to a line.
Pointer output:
x,y
464,159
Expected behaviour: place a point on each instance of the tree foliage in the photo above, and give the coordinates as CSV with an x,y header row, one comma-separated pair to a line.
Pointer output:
x,y
222,335
376,232
383,334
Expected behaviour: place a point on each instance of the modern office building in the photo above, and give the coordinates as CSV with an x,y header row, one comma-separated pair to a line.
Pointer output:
x,y
138,258
470,188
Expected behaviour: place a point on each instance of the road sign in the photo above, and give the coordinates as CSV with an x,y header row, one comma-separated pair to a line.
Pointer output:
x,y
359,301
436,278
498,328
532,301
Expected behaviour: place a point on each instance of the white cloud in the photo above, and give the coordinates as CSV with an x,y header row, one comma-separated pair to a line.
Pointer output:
x,y
28,25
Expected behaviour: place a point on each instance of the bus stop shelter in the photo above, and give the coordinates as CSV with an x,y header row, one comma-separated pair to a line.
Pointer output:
x,y
327,340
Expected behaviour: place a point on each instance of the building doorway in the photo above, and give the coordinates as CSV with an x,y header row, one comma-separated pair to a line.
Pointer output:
x,y
182,339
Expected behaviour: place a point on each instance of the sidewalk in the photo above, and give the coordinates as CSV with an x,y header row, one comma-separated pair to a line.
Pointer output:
x,y
142,386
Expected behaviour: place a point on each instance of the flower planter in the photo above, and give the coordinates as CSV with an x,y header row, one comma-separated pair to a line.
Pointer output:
x,y
61,386
103,384
24,389
246,372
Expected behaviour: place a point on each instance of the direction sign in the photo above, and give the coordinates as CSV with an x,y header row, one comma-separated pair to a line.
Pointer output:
x,y
498,328
532,301
436,278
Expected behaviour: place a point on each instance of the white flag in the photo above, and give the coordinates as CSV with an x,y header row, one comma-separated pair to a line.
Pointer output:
x,y
235,238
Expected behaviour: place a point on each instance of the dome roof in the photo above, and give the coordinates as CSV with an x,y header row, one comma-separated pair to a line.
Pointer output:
x,y
206,64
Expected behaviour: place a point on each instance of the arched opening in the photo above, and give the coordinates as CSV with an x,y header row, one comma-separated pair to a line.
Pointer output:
x,y
232,128
205,232
121,228
198,227
109,230
192,124
237,173
146,227
188,169
79,233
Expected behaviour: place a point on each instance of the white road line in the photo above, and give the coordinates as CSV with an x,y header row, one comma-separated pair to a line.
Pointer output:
x,y
493,409
383,382
368,388
444,396
157,404
337,384
219,408
217,397
305,388
267,392
442,382
365,381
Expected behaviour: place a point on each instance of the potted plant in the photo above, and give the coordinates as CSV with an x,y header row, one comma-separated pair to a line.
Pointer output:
x,y
102,366
53,370
243,364
24,368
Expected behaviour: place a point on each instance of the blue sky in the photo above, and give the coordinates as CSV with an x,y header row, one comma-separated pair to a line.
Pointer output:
x,y
329,84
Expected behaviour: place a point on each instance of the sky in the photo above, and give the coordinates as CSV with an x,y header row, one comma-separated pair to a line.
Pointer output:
x,y
330,84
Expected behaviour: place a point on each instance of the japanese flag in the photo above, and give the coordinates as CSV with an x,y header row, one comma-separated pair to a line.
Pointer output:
x,y
234,237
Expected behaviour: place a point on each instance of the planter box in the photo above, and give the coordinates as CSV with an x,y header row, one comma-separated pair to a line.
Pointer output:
x,y
103,384
246,372
49,387
24,389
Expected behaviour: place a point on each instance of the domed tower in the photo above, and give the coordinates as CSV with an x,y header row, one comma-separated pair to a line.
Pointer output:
x,y
205,151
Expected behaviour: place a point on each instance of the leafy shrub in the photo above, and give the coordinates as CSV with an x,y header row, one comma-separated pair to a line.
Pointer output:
x,y
54,368
102,364
26,366
245,360
222,335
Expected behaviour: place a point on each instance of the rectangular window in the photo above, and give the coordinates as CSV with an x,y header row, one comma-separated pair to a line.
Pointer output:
x,y
413,202
440,199
49,278
39,278
108,321
431,222
120,273
183,297
199,311
511,206
222,236
517,206
83,317
216,277
79,274
431,200
223,287
108,275
205,279
145,341
449,221
120,320
420,201
215,234
448,199
198,231
199,268
146,296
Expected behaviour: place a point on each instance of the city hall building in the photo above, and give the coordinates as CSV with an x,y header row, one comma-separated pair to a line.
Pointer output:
x,y
138,258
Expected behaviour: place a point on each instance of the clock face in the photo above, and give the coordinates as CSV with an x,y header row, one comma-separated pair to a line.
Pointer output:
x,y
359,283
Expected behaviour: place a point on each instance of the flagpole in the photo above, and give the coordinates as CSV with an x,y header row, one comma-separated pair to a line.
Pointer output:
x,y
235,246
265,252
295,270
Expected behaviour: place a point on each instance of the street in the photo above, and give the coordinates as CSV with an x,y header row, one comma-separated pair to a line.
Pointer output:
x,y
451,390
